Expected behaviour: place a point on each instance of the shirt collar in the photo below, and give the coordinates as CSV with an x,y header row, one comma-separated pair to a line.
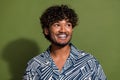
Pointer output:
x,y
74,52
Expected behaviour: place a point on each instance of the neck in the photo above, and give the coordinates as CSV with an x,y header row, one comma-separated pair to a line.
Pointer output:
x,y
58,51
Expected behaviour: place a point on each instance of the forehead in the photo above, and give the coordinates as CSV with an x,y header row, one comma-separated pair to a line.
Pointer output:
x,y
62,21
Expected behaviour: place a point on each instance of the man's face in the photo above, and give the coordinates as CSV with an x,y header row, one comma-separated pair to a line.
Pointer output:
x,y
60,32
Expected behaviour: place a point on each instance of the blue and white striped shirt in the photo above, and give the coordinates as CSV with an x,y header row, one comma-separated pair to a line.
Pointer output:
x,y
78,66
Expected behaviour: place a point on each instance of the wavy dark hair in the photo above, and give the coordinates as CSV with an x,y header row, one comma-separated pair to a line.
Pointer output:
x,y
57,13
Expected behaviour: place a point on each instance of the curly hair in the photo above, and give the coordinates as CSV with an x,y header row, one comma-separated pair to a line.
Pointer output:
x,y
58,13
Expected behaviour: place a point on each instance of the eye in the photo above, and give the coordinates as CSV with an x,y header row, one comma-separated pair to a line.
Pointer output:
x,y
69,25
56,24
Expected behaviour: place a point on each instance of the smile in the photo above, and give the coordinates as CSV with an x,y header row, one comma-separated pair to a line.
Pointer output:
x,y
62,36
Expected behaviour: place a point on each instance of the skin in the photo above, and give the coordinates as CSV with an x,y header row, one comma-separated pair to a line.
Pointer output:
x,y
60,33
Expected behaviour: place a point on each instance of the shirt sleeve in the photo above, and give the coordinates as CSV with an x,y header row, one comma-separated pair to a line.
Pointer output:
x,y
30,76
98,73
32,72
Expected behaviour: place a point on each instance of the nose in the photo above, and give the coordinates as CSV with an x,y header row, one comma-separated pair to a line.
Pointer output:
x,y
62,29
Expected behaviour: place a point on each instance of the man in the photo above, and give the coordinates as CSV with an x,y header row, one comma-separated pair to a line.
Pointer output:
x,y
62,60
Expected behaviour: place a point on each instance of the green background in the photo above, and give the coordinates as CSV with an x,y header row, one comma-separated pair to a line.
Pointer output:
x,y
21,36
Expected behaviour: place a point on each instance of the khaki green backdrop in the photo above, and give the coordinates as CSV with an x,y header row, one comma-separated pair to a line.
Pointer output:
x,y
21,37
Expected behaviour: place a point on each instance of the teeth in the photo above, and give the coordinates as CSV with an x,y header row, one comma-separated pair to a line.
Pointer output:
x,y
62,36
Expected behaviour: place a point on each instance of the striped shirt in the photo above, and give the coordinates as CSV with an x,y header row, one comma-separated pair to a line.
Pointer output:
x,y
78,66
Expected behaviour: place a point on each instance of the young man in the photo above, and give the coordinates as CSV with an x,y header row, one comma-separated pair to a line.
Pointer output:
x,y
62,60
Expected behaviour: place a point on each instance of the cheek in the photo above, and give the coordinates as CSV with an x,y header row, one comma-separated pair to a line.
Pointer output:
x,y
52,34
70,32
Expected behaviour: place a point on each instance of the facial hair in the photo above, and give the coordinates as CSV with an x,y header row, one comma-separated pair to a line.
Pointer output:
x,y
57,43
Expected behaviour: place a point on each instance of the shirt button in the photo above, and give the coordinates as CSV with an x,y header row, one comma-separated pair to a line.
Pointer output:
x,y
47,62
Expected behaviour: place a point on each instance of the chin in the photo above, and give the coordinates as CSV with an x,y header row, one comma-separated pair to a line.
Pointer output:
x,y
61,44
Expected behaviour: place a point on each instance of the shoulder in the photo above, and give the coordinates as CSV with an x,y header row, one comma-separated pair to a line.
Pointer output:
x,y
87,56
89,63
34,67
89,59
84,57
37,62
81,54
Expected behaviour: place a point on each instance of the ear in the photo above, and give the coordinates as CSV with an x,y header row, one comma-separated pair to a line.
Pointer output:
x,y
46,31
